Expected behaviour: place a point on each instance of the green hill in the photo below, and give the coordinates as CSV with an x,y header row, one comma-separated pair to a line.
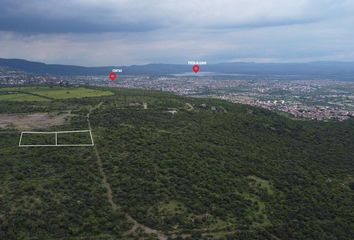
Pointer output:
x,y
165,166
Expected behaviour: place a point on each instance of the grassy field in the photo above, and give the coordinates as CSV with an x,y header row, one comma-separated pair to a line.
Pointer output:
x,y
21,97
64,93
48,93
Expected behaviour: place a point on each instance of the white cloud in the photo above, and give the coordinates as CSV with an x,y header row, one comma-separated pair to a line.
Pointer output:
x,y
177,31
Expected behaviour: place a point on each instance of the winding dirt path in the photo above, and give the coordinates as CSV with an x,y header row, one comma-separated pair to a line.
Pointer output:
x,y
108,188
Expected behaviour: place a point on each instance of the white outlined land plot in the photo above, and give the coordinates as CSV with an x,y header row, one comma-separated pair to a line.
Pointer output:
x,y
81,138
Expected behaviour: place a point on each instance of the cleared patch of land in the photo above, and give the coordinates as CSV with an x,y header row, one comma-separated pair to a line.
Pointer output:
x,y
33,121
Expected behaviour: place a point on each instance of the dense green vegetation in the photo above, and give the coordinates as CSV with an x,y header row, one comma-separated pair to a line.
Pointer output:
x,y
37,139
53,193
188,168
74,138
52,138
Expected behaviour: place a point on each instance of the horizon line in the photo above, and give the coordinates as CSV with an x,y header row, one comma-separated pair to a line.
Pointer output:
x,y
181,64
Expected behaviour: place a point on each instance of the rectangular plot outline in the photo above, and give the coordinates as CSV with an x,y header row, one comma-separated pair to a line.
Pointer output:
x,y
56,139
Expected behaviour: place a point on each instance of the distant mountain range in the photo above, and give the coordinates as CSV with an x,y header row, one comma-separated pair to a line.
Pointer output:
x,y
312,68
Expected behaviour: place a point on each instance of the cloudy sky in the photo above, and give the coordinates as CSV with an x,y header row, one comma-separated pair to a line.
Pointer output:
x,y
115,32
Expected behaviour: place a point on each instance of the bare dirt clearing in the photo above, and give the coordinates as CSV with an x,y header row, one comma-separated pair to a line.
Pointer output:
x,y
32,121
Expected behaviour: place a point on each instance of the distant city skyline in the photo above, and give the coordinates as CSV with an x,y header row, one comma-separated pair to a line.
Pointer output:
x,y
122,32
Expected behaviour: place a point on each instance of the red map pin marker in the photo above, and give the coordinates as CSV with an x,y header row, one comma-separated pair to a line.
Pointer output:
x,y
196,68
112,76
